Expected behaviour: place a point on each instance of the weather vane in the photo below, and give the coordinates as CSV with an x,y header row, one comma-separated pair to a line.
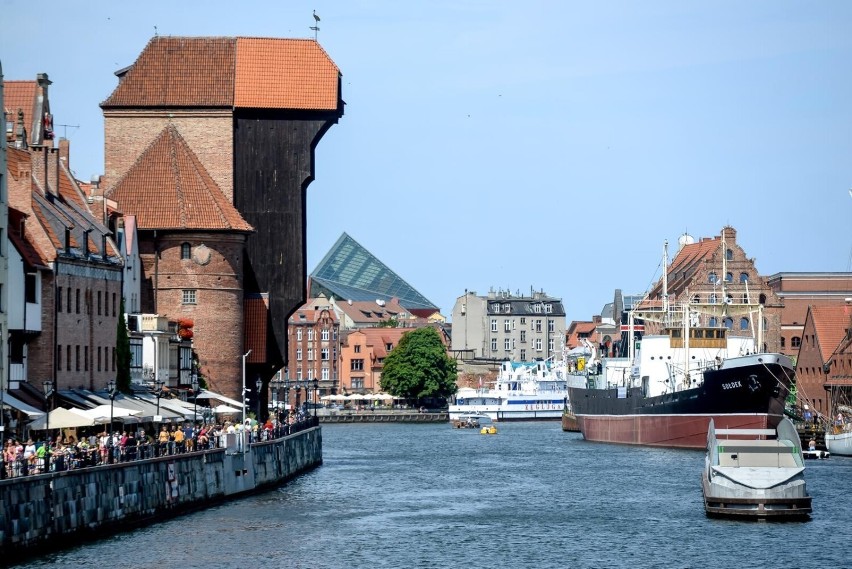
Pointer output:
x,y
315,27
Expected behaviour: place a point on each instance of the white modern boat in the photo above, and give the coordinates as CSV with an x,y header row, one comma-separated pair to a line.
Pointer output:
x,y
839,443
523,391
755,473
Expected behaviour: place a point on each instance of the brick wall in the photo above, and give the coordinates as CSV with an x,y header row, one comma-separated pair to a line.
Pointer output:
x,y
209,133
218,309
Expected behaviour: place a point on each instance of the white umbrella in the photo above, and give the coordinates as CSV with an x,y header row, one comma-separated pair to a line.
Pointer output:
x,y
101,413
328,398
356,397
61,418
226,409
384,396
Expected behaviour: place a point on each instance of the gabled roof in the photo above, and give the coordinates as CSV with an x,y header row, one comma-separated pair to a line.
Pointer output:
x,y
227,72
179,72
350,272
168,188
830,324
20,95
369,312
285,74
31,256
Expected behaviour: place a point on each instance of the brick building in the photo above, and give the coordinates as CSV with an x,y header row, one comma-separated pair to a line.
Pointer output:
x,y
800,290
362,358
824,362
716,273
226,128
314,344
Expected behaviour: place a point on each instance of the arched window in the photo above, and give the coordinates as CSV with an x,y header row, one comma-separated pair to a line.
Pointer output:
x,y
729,323
185,251
796,342
696,299
762,299
745,298
729,277
729,255
713,322
743,277
713,298
783,342
743,323
712,278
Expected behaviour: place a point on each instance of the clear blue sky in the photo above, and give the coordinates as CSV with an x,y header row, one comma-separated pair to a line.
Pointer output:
x,y
552,145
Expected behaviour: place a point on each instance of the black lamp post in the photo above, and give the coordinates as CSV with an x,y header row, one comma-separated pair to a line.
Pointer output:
x,y
259,385
112,392
286,395
48,393
159,385
194,400
316,396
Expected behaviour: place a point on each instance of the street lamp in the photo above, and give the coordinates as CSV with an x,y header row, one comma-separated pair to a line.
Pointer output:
x,y
48,392
245,355
112,391
259,385
159,384
194,400
316,396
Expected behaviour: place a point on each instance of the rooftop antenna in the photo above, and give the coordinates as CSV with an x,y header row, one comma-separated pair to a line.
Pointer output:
x,y
315,27
155,32
65,129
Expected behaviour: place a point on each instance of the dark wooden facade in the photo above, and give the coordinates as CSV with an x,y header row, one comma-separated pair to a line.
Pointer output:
x,y
273,166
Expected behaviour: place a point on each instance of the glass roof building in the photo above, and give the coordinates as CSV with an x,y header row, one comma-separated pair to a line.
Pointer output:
x,y
350,272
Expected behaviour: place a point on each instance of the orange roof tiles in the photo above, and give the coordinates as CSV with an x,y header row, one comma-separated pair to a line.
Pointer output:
x,y
256,311
20,95
830,323
259,73
179,72
168,188
284,74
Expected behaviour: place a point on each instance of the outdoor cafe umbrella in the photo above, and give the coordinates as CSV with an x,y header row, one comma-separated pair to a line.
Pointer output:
x,y
226,409
61,418
384,396
101,413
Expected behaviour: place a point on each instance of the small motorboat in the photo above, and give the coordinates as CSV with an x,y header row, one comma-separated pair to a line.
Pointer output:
x,y
755,473
468,421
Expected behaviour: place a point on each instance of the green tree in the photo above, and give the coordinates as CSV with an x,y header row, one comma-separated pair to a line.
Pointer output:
x,y
419,367
122,353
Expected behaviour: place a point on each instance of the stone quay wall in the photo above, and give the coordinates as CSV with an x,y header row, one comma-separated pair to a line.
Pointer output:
x,y
57,509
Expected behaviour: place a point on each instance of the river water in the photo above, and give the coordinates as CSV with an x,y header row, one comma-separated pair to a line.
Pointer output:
x,y
423,496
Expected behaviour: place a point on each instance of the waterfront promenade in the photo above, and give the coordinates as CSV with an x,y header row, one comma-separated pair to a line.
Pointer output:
x,y
382,416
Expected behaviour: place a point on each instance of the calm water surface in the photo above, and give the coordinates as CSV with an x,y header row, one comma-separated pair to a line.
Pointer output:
x,y
533,496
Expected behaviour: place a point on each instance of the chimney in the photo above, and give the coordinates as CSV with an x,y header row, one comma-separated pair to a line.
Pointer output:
x,y
65,152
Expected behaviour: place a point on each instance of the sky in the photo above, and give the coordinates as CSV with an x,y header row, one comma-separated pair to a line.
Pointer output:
x,y
525,146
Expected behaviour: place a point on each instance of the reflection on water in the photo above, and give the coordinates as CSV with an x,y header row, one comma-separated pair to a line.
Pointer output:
x,y
394,495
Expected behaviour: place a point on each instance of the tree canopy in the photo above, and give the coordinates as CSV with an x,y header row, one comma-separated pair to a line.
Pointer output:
x,y
419,367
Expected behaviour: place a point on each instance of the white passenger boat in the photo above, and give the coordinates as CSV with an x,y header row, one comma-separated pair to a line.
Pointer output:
x,y
755,473
523,391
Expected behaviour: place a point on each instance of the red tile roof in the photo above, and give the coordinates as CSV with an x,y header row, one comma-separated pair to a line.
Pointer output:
x,y
284,74
830,323
168,188
267,73
20,95
179,72
256,314
31,256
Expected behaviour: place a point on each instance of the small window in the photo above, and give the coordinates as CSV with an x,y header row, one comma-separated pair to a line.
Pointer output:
x,y
729,255
713,322
743,277
712,278
185,251
796,342
729,323
30,289
188,296
743,323
783,342
713,298
729,277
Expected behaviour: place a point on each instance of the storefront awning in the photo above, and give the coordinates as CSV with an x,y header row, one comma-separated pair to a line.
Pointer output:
x,y
14,403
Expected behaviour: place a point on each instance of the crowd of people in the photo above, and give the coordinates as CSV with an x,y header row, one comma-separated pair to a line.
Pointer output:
x,y
66,452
